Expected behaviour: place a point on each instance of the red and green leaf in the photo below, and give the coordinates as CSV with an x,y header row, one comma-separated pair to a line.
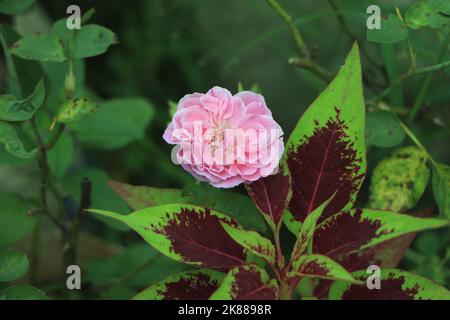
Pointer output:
x,y
318,266
359,229
253,242
141,197
326,152
186,233
395,285
189,285
248,282
272,195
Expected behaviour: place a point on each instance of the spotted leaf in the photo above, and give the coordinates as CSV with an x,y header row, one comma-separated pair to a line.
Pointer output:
x,y
399,180
189,285
186,233
326,152
247,282
394,285
358,229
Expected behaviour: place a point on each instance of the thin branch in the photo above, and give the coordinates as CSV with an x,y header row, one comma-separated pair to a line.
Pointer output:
x,y
290,23
419,71
311,66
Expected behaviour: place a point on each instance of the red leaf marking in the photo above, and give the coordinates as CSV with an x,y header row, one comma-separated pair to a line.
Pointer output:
x,y
195,287
248,285
199,237
322,164
270,194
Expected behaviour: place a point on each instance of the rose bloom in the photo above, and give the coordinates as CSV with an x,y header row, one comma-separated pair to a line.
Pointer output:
x,y
225,139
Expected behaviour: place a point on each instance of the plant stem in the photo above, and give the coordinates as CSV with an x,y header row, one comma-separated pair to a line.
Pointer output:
x,y
419,71
414,139
305,60
426,84
280,256
290,23
311,66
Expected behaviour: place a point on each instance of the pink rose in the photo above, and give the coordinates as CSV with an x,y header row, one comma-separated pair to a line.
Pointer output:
x,y
225,139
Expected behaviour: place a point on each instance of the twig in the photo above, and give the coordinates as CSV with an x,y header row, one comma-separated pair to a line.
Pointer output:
x,y
311,66
305,60
71,238
419,71
290,23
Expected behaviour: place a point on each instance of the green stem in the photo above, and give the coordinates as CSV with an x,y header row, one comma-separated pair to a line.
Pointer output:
x,y
426,84
280,256
291,25
416,141
419,71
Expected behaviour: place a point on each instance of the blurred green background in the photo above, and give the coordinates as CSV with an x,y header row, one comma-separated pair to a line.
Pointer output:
x,y
170,48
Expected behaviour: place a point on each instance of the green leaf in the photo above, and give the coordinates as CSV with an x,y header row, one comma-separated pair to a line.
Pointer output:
x,y
22,74
383,129
441,188
253,242
11,109
307,229
91,40
76,109
399,180
12,143
392,30
41,47
319,266
22,292
116,123
189,285
185,233
326,151
61,156
395,285
15,223
13,265
14,6
248,282
141,197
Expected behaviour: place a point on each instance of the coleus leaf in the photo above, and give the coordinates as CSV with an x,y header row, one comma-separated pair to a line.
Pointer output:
x,y
253,242
395,284
247,282
188,285
387,254
358,229
307,229
319,266
141,197
399,180
186,233
272,195
326,152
